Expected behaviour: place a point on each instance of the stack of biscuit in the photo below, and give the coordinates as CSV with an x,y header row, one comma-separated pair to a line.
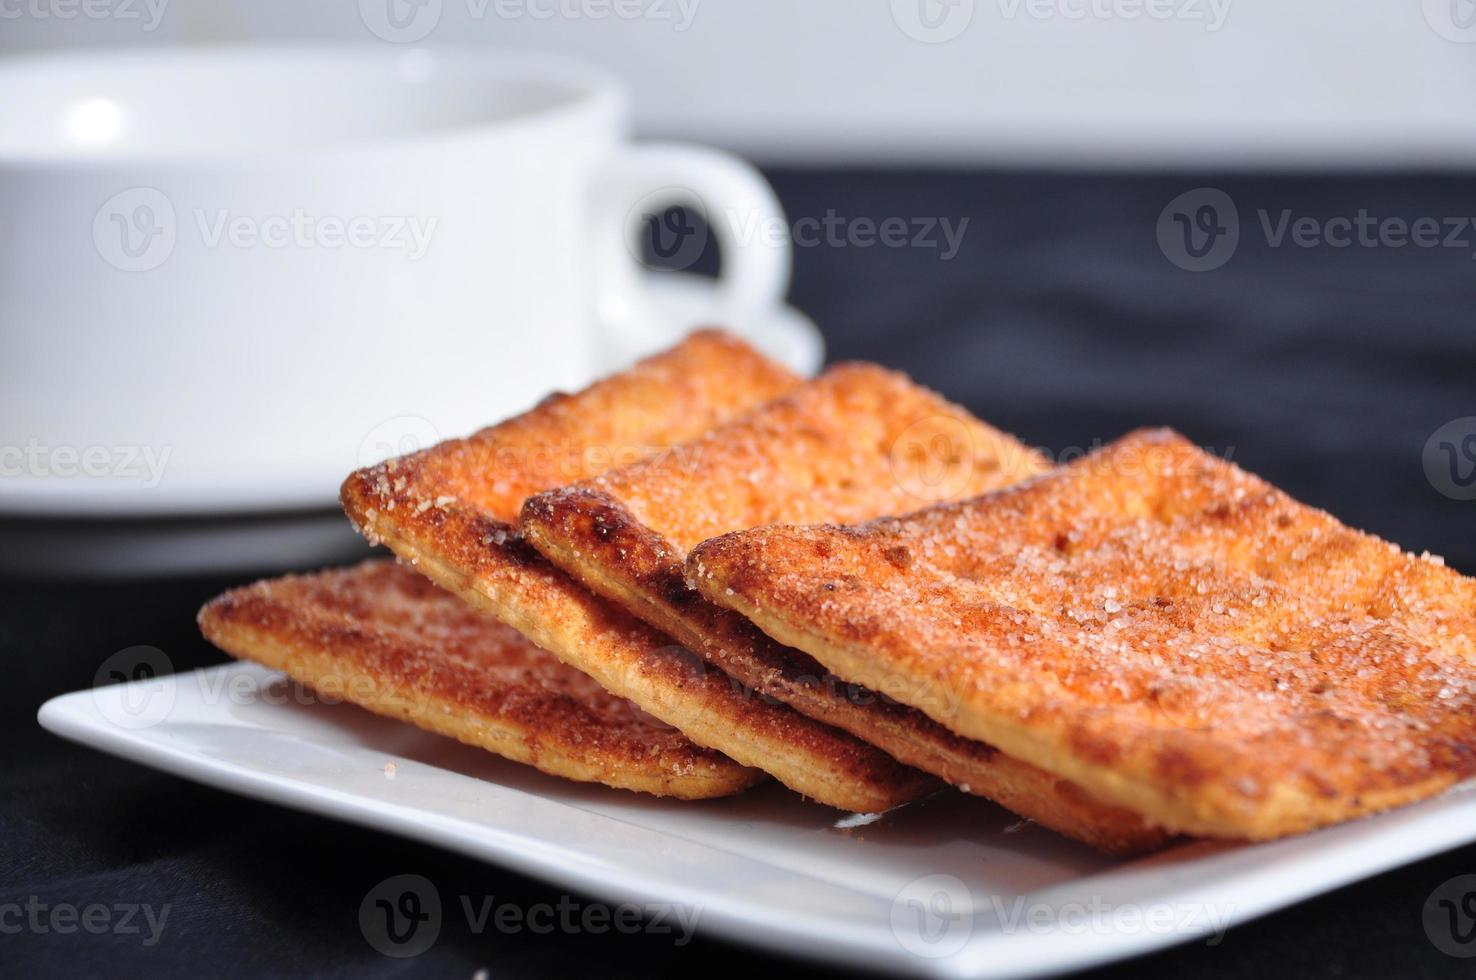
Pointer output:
x,y
706,570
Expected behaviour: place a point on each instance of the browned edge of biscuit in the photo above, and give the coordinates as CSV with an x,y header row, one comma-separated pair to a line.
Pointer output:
x,y
489,565
347,660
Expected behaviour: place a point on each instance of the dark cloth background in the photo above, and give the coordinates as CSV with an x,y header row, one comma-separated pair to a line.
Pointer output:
x,y
1325,370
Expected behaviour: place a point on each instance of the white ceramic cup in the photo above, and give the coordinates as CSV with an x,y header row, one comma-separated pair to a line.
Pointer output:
x,y
268,266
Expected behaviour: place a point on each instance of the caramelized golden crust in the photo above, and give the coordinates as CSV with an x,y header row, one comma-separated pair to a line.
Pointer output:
x,y
383,637
663,400
445,510
858,442
1166,630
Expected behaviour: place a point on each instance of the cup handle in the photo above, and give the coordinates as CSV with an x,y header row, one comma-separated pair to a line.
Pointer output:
x,y
641,182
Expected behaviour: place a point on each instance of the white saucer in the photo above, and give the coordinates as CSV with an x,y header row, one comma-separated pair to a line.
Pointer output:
x,y
133,548
312,484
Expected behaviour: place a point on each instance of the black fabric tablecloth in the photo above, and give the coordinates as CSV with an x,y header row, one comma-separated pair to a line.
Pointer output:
x,y
1060,318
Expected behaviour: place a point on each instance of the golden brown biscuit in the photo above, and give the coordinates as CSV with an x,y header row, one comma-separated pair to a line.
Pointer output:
x,y
1168,631
854,444
447,511
383,637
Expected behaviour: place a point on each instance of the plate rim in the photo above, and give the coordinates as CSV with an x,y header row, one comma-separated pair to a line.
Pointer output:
x,y
77,717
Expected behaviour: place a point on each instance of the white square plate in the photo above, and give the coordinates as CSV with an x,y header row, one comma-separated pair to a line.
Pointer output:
x,y
950,887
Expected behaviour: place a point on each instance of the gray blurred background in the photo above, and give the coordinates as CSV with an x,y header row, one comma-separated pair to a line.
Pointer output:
x,y
1244,83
